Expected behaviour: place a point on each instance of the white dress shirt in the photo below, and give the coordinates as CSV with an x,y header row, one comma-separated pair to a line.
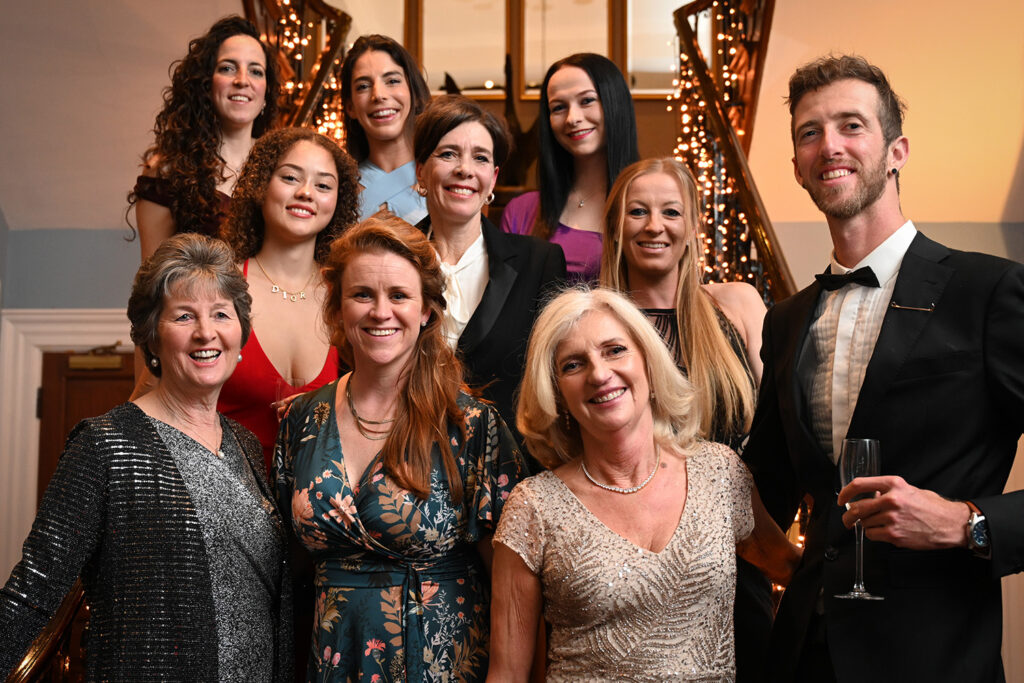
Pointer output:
x,y
465,283
842,338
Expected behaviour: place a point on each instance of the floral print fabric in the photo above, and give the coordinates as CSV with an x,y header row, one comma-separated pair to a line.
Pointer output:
x,y
401,592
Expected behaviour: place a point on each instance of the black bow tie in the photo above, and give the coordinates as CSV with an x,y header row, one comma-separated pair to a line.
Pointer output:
x,y
862,276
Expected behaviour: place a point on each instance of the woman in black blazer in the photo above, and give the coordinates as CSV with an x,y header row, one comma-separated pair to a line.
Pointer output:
x,y
495,281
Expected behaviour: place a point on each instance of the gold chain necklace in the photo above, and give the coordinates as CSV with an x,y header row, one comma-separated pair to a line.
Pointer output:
x,y
370,430
274,289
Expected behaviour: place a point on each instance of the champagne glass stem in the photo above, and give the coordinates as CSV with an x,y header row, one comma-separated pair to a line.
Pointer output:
x,y
858,585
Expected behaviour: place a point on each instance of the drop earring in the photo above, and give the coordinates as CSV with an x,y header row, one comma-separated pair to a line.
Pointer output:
x,y
154,362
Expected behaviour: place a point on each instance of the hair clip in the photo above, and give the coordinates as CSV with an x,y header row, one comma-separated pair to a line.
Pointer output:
x,y
931,307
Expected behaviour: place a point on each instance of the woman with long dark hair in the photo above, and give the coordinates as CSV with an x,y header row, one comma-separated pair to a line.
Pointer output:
x,y
222,97
382,91
587,135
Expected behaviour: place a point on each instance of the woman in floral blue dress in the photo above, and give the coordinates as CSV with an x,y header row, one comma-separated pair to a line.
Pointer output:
x,y
395,477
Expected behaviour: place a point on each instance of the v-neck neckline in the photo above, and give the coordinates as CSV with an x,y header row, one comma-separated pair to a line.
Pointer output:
x,y
675,531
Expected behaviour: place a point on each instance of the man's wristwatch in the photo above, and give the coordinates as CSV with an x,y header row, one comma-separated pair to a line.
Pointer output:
x,y
977,532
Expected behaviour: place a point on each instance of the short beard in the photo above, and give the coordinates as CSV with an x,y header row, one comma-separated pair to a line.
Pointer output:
x,y
870,187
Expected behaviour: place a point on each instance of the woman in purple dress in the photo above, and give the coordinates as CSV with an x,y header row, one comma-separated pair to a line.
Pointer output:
x,y
582,98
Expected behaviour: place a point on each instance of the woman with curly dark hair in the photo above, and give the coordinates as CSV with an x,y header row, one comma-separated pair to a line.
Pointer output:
x,y
223,95
297,192
383,92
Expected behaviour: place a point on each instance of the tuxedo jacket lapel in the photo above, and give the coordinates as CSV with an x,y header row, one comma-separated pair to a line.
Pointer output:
x,y
919,286
795,321
503,260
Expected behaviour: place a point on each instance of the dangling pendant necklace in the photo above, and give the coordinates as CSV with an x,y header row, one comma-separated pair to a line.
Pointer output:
x,y
368,428
633,489
294,297
582,200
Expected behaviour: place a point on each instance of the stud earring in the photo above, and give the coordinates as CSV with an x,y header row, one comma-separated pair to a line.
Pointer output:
x,y
895,171
154,362
239,356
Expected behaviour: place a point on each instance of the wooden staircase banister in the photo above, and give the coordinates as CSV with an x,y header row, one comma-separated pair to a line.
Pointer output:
x,y
733,157
52,643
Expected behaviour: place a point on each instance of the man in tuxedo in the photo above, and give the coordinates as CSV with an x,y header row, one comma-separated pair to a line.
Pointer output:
x,y
921,347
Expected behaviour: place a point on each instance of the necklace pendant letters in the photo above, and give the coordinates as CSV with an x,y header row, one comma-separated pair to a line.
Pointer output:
x,y
275,289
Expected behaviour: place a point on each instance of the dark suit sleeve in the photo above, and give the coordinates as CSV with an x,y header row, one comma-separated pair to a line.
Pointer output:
x,y
554,271
767,452
1004,362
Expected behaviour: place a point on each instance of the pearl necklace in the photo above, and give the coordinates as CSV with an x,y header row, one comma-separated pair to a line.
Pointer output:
x,y
274,289
370,431
619,489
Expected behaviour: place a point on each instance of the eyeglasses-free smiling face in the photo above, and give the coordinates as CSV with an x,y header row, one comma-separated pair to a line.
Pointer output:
x,y
459,174
380,96
602,375
654,230
576,116
239,85
840,155
302,194
199,339
382,309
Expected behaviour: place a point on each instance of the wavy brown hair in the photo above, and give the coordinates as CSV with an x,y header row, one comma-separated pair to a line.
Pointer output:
x,y
187,129
720,377
428,403
244,229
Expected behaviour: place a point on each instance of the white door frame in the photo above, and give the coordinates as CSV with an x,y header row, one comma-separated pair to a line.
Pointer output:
x,y
25,334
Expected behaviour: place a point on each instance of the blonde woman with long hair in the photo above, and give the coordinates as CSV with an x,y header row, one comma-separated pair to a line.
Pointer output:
x,y
712,330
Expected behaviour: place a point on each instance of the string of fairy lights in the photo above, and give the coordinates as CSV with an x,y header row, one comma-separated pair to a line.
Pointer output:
x,y
729,252
295,36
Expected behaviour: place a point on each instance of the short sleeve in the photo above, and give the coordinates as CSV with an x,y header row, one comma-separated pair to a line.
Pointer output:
x,y
520,214
741,487
495,467
153,189
521,528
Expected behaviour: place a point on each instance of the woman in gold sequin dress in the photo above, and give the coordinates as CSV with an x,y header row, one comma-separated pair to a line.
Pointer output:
x,y
627,546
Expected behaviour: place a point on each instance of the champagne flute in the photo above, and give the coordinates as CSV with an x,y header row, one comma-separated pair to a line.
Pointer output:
x,y
859,458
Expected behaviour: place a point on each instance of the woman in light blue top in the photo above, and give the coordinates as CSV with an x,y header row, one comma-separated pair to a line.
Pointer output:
x,y
382,91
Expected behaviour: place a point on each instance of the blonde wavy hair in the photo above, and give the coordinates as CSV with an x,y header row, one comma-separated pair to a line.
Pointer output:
x,y
720,378
675,412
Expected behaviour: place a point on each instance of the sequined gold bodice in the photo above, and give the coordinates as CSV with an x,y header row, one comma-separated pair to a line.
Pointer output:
x,y
620,612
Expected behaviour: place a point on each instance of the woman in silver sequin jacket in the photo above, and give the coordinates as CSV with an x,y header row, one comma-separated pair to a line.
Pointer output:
x,y
161,505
